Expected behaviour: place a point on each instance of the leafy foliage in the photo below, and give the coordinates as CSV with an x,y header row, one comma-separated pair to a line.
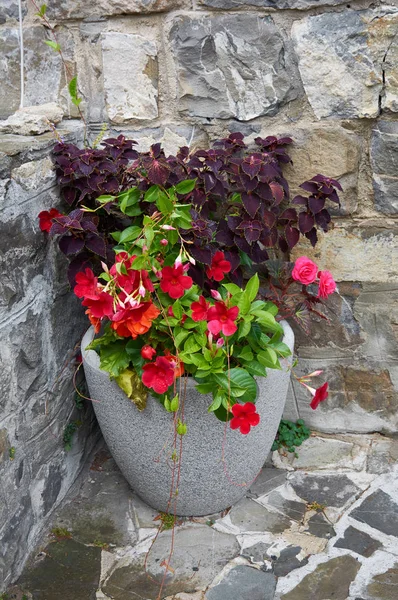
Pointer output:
x,y
290,435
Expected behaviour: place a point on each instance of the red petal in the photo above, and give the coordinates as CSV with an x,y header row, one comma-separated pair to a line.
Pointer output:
x,y
214,327
245,427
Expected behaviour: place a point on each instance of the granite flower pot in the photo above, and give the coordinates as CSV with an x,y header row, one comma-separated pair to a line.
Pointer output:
x,y
142,442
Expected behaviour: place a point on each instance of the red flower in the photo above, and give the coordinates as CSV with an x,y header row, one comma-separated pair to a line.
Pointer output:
x,y
327,284
148,352
177,365
100,306
320,395
221,318
86,285
245,417
135,320
158,375
46,218
174,282
199,309
218,267
130,279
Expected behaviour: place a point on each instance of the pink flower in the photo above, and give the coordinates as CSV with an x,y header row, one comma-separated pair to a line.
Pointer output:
x,y
245,417
86,284
219,266
327,284
320,395
304,270
46,218
159,375
199,309
221,318
174,282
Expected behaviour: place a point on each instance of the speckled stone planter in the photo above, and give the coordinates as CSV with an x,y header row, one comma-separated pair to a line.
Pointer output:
x,y
142,442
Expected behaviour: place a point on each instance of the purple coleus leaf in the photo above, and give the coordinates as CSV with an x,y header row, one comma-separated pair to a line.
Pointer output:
x,y
290,214
292,236
96,244
242,244
249,185
210,181
306,222
264,191
302,200
269,237
158,171
323,219
251,165
269,218
258,255
310,186
69,194
312,236
251,230
328,181
277,192
202,255
233,222
71,245
251,202
316,204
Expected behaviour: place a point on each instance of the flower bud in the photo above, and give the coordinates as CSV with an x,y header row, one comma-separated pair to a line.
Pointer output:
x,y
164,242
216,295
167,228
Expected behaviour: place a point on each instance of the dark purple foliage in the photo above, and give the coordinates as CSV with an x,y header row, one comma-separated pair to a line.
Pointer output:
x,y
241,202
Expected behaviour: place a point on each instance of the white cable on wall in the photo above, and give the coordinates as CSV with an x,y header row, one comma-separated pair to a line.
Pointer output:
x,y
21,50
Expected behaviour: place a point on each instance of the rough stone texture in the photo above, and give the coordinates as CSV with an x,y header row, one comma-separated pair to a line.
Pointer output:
x,y
277,4
9,10
384,160
244,583
368,254
204,486
384,586
269,479
79,9
379,511
290,508
199,554
323,489
358,542
349,51
383,454
288,561
319,526
329,580
68,566
130,86
250,516
40,324
32,120
231,66
42,65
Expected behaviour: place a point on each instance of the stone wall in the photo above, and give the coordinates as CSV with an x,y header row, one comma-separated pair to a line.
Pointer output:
x,y
40,323
188,71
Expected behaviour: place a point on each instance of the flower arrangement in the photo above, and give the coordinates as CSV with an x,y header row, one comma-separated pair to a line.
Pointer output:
x,y
161,251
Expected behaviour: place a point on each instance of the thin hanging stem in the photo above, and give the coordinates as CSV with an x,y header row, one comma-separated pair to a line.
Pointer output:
x,y
21,50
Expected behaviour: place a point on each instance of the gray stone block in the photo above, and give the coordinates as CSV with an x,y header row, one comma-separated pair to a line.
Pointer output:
x,y
231,66
244,583
384,161
379,511
141,447
276,4
358,541
336,82
328,490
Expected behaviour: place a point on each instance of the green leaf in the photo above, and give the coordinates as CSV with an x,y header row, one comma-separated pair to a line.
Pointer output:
x,y
164,204
243,304
282,349
73,87
76,101
152,194
180,337
177,309
129,234
114,358
252,287
266,358
105,199
129,198
232,288
139,263
246,353
191,345
56,47
244,329
240,377
184,187
205,388
255,368
217,401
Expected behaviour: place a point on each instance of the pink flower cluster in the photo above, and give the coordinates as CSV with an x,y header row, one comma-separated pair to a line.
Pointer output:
x,y
306,272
